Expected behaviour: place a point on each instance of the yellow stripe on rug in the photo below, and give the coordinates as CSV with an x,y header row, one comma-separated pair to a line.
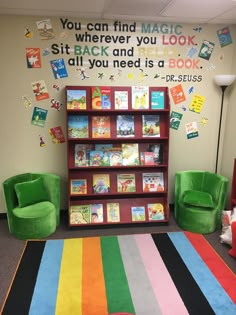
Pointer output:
x,y
69,298
94,301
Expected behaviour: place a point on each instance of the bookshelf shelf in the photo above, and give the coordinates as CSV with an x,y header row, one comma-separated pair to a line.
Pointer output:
x,y
117,152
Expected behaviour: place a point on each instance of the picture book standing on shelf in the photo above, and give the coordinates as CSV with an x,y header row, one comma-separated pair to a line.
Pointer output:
x,y
138,213
140,97
130,154
113,212
78,187
125,126
78,126
155,212
101,183
153,182
151,125
101,127
96,212
121,100
80,214
101,97
81,157
126,183
76,99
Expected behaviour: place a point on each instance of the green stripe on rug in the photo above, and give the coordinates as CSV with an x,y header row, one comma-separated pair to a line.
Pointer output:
x,y
117,288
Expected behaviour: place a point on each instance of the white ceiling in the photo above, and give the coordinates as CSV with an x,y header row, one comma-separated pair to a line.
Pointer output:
x,y
176,11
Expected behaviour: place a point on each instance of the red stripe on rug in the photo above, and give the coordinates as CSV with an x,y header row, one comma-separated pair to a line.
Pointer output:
x,y
215,263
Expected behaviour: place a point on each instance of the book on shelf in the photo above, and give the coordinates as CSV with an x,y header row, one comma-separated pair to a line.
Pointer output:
x,y
113,212
157,149
80,214
99,158
157,100
101,127
105,147
101,183
125,126
76,99
78,126
138,213
126,183
101,97
148,158
121,100
116,158
153,182
151,125
78,186
140,97
81,156
155,212
130,154
96,212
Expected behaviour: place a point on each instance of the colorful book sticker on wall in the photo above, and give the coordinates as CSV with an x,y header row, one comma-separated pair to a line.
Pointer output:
x,y
177,94
157,100
33,58
155,212
80,214
224,37
175,119
45,29
197,103
40,90
57,135
191,130
59,68
78,126
138,213
113,212
206,50
39,116
140,97
76,99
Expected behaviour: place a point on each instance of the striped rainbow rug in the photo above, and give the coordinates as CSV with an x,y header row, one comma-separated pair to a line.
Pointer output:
x,y
173,273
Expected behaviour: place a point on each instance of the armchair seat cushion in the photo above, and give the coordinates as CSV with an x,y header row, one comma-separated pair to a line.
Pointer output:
x,y
198,198
38,210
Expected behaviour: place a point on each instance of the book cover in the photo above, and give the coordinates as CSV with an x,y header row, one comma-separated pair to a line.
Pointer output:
x,y
121,100
82,154
151,125
76,99
206,50
148,158
157,150
96,158
153,182
96,212
57,135
113,212
59,68
140,97
45,29
116,158
157,100
126,183
101,97
80,214
40,90
138,213
155,212
78,186
105,147
177,93
101,127
78,126
39,116
130,153
125,126
224,37
101,183
33,57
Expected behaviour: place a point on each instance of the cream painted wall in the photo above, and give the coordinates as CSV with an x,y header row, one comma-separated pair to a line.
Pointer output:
x,y
21,151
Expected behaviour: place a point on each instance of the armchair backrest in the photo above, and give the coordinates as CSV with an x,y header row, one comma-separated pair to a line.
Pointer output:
x,y
216,185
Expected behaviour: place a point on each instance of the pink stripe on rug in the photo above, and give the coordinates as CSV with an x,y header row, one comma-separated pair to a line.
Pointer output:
x,y
163,287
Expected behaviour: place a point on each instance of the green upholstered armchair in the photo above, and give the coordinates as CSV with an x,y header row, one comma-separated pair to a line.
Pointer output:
x,y
199,200
32,204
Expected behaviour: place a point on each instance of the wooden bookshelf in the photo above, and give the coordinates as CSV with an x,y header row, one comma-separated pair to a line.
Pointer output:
x,y
117,152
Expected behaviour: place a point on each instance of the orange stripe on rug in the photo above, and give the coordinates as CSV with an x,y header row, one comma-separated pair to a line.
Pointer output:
x,y
94,300
215,263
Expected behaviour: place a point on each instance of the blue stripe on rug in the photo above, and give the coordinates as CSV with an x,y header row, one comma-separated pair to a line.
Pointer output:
x,y
45,291
215,294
